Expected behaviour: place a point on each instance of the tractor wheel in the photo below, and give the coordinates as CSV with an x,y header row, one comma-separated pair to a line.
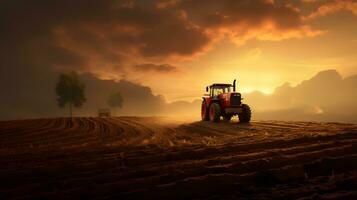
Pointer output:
x,y
204,111
214,112
227,117
245,116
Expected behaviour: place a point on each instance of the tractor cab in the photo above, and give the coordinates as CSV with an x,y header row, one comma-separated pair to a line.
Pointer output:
x,y
219,88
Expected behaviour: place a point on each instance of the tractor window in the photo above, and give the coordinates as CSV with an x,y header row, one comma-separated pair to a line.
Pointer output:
x,y
226,89
219,90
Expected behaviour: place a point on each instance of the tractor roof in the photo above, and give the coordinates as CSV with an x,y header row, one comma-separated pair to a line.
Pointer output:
x,y
220,84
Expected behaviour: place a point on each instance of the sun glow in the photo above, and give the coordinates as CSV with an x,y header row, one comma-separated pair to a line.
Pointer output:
x,y
266,91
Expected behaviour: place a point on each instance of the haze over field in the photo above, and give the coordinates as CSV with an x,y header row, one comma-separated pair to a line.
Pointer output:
x,y
335,101
161,54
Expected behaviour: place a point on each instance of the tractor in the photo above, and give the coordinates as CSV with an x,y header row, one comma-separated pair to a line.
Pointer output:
x,y
224,101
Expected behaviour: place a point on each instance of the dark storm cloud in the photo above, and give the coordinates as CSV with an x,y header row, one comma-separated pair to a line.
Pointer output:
x,y
247,19
101,31
151,67
91,35
214,13
136,31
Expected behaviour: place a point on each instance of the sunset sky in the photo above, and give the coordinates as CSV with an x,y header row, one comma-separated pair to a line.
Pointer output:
x,y
176,47
324,36
195,43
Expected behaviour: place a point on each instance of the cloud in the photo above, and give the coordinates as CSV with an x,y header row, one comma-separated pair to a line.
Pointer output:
x,y
325,97
139,31
160,68
96,36
113,36
246,20
308,1
333,7
138,99
228,13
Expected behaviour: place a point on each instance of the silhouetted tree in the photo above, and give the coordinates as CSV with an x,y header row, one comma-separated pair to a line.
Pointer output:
x,y
115,100
70,91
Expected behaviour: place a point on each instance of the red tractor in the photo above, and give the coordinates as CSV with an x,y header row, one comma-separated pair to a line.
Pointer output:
x,y
224,101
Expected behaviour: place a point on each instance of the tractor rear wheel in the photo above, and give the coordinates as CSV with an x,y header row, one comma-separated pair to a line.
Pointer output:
x,y
246,114
214,112
204,111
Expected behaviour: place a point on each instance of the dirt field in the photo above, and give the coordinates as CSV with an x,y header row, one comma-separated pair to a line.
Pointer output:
x,y
131,157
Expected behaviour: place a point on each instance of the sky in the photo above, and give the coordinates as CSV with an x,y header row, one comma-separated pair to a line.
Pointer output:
x,y
319,35
171,49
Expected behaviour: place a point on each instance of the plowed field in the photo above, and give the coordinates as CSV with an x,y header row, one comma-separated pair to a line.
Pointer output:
x,y
146,158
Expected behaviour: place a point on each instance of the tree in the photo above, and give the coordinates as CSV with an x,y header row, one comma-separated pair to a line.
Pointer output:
x,y
70,91
115,100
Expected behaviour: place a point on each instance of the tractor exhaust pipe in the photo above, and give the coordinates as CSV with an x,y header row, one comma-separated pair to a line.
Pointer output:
x,y
234,85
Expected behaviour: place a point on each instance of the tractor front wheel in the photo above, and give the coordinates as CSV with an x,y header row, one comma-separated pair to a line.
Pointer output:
x,y
214,112
246,114
204,111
